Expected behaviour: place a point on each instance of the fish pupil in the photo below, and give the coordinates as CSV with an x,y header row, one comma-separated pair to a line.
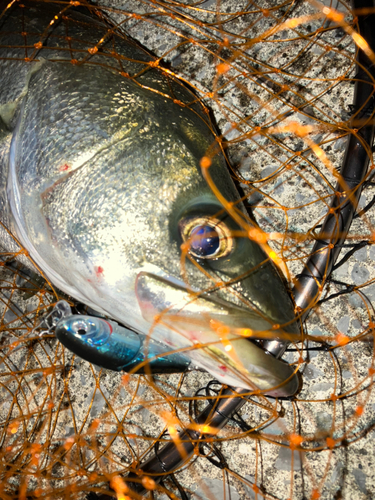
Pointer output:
x,y
81,331
205,241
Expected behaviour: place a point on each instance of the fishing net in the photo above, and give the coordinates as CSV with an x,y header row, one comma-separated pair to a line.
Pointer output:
x,y
277,78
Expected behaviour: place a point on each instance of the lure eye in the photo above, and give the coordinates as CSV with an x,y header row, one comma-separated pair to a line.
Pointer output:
x,y
94,331
80,327
208,238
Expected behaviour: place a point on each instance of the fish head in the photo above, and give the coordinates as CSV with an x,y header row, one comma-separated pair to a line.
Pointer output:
x,y
111,203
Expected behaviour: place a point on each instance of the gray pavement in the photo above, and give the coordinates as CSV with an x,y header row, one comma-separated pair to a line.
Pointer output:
x,y
93,423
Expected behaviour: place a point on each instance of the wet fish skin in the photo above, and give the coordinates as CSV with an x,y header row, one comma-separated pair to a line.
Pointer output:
x,y
101,171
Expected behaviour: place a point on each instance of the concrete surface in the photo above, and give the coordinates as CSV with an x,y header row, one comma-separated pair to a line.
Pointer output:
x,y
50,399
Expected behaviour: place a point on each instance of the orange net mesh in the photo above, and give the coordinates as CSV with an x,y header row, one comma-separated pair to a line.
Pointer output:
x,y
278,79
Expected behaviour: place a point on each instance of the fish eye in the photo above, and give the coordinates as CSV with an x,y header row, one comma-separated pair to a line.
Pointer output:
x,y
208,238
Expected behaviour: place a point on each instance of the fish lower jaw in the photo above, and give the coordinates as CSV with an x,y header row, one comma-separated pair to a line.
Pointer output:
x,y
260,375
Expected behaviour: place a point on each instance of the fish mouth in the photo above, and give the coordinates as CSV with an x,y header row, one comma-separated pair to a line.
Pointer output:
x,y
218,335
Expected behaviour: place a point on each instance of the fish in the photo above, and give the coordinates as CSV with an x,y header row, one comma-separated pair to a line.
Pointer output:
x,y
113,181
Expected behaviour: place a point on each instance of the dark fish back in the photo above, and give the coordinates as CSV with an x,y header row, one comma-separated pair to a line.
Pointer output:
x,y
32,32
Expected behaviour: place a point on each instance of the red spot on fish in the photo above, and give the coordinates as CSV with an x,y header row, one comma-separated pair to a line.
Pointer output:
x,y
64,167
193,339
223,368
99,271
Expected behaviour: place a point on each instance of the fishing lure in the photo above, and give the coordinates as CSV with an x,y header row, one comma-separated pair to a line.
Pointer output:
x,y
107,344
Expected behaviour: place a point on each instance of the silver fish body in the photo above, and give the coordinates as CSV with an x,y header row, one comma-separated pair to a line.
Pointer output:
x,y
102,184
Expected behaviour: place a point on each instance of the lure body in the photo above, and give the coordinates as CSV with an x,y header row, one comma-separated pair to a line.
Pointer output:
x,y
102,184
109,345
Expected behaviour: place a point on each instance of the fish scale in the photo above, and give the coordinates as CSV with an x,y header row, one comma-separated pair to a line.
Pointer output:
x,y
104,182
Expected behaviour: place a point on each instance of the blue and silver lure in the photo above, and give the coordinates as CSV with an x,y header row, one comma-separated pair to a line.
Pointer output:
x,y
107,344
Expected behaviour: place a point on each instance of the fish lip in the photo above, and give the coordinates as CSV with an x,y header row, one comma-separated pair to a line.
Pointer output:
x,y
170,304
162,296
